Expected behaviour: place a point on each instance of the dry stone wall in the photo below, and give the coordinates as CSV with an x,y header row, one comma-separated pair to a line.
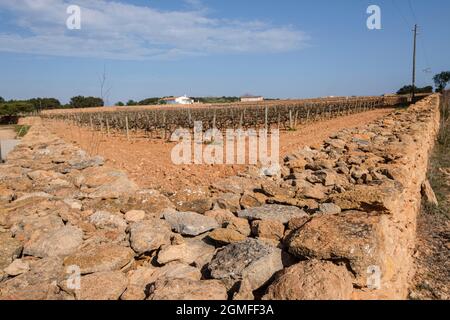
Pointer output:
x,y
338,216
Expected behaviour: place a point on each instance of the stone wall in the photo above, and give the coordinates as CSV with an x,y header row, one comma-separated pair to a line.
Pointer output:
x,y
337,213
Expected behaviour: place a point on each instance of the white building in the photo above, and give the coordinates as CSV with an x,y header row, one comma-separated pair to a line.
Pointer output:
x,y
248,98
179,100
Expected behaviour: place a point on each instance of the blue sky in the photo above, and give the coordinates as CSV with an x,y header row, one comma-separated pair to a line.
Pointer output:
x,y
282,49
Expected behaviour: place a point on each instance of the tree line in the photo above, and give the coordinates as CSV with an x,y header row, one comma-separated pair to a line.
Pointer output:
x,y
440,82
17,107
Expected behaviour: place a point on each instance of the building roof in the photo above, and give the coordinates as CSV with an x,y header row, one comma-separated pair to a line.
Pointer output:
x,y
250,96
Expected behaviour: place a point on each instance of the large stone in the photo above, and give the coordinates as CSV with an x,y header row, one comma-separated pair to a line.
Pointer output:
x,y
312,280
236,185
329,208
59,242
99,258
23,227
272,212
40,283
149,235
10,249
102,286
229,201
224,236
383,198
354,237
223,217
135,215
240,225
80,164
140,279
187,289
428,193
268,229
17,267
196,199
190,223
107,220
192,251
251,260
106,183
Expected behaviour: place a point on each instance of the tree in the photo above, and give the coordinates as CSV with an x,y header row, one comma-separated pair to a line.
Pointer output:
x,y
149,101
45,103
15,108
132,103
441,80
86,102
408,90
2,100
120,104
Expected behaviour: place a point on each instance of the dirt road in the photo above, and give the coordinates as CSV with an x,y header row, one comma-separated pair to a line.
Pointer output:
x,y
7,132
148,162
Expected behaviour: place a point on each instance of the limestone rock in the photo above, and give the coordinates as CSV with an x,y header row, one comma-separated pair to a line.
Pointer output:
x,y
236,185
192,251
428,193
251,199
107,220
140,279
40,283
135,215
329,208
17,267
190,223
272,212
226,236
251,259
149,235
311,280
102,286
240,225
355,237
59,242
10,249
99,258
223,217
196,199
229,201
268,229
186,289
369,198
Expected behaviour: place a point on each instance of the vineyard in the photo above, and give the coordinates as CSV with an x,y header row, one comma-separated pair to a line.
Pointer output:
x,y
283,114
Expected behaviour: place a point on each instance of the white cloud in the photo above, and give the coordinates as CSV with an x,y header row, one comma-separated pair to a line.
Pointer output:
x,y
116,30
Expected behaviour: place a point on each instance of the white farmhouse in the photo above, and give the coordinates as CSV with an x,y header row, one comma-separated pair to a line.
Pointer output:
x,y
179,100
249,98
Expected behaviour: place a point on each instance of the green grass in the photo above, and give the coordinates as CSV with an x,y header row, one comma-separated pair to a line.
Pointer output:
x,y
21,130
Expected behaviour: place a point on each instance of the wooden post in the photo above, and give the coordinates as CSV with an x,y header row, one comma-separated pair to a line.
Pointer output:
x,y
266,120
126,127
107,126
290,120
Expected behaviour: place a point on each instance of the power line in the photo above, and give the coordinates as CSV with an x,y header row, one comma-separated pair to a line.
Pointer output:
x,y
412,11
407,23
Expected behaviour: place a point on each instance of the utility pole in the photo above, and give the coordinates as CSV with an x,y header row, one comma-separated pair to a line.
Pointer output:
x,y
413,90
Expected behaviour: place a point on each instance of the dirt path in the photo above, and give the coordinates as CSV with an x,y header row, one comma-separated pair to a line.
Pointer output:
x,y
148,162
7,132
